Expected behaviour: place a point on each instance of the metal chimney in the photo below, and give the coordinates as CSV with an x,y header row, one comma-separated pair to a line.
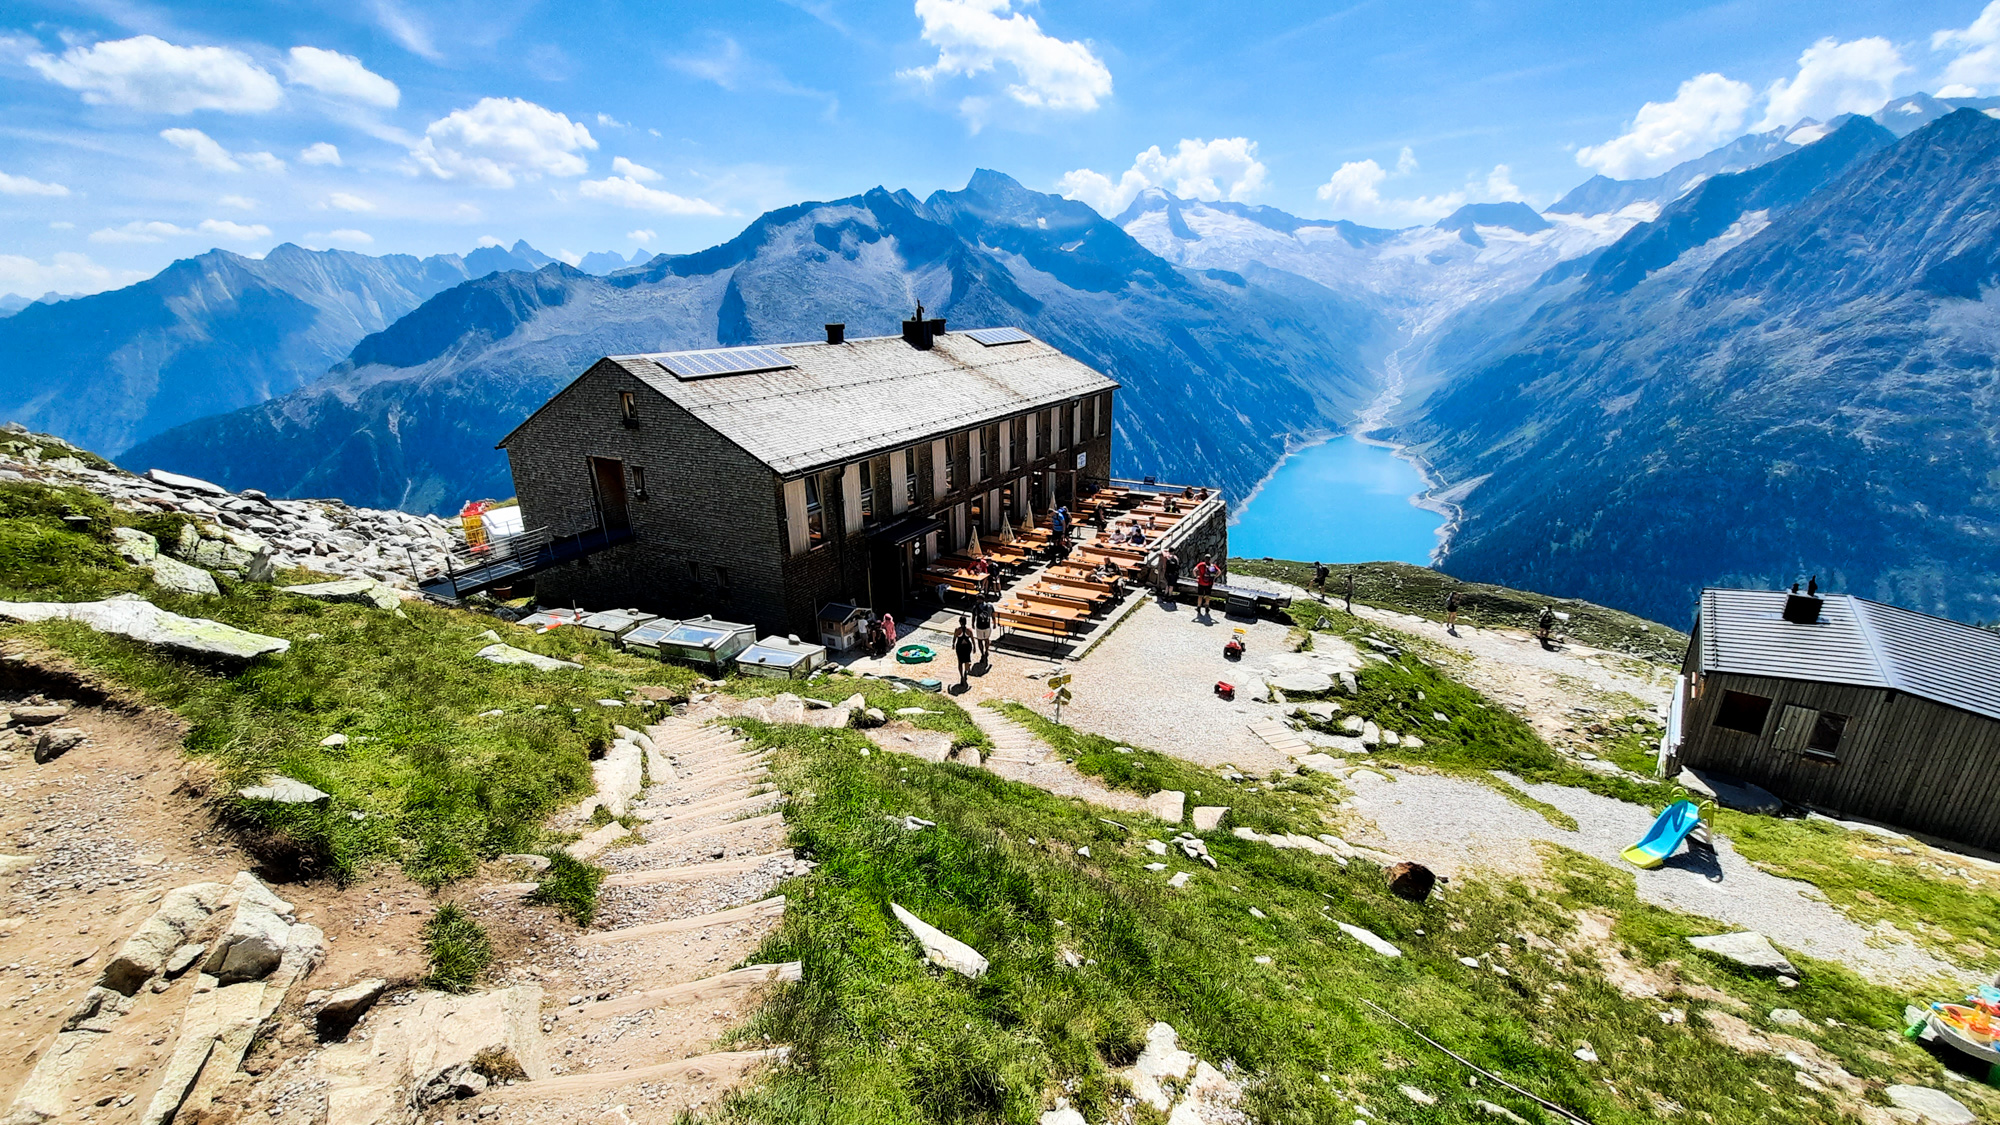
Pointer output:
x,y
917,331
1803,609
836,333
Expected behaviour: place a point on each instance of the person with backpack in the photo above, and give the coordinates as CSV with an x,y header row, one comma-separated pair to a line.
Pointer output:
x,y
1319,578
982,629
1545,626
1451,613
1205,574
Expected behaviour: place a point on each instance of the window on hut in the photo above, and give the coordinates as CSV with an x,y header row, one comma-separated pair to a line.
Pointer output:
x,y
815,513
867,492
639,481
910,476
1741,711
628,408
1824,742
982,455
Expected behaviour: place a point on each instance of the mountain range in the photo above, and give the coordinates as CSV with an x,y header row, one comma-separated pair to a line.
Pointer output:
x,y
1771,361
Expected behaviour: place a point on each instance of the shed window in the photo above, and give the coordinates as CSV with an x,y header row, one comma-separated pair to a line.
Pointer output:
x,y
867,492
815,513
638,481
1741,711
1825,741
628,408
983,444
910,475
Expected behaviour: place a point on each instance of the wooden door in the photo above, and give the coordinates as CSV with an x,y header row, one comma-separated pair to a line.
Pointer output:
x,y
608,475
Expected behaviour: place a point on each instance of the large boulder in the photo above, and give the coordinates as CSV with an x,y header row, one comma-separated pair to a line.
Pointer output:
x,y
180,578
128,615
185,484
1167,805
285,791
1412,881
134,546
352,591
435,1039
254,943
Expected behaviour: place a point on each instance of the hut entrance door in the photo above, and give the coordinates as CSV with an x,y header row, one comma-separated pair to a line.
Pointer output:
x,y
608,477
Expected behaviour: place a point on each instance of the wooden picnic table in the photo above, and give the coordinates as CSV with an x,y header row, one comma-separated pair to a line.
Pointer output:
x,y
1123,554
1100,589
1041,608
1036,597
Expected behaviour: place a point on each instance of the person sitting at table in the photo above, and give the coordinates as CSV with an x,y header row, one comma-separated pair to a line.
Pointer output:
x,y
1203,494
1173,505
1187,492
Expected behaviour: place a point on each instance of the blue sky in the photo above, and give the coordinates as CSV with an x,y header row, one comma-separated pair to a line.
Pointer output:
x,y
135,133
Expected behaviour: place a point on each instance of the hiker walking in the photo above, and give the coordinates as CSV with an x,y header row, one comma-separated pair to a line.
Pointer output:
x,y
962,644
1170,571
1350,591
982,629
1451,613
1205,573
1545,626
1319,578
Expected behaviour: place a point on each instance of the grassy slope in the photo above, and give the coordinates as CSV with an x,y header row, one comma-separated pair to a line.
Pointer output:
x,y
426,779
881,1036
1422,591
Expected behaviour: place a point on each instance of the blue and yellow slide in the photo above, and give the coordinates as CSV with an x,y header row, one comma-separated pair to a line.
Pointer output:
x,y
1681,818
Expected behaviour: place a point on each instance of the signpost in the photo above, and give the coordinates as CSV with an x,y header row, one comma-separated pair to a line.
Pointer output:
x,y
1058,683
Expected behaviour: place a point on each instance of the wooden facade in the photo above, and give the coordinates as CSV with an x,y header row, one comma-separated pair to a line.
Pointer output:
x,y
1897,758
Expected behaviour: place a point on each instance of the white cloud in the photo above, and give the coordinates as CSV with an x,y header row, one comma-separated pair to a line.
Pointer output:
x,y
406,29
203,148
349,237
487,241
1835,78
68,272
1224,168
642,237
976,36
1958,90
1707,110
214,157
149,73
62,224
340,76
610,122
344,201
628,192
499,139
631,171
568,257
137,231
1354,192
1978,49
241,203
320,153
238,232
22,185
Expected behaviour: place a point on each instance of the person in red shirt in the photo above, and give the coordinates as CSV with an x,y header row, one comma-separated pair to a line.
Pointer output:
x,y
1205,574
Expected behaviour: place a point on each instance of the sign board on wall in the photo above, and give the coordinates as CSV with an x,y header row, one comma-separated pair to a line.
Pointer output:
x,y
1080,458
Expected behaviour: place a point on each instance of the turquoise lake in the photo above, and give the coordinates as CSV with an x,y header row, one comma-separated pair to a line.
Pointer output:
x,y
1341,501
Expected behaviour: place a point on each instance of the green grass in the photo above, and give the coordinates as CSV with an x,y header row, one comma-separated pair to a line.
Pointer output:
x,y
427,779
878,1035
458,949
570,885
50,448
1959,918
947,716
1422,591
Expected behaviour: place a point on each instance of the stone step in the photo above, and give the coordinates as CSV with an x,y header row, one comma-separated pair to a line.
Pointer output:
x,y
1280,737
682,839
712,807
700,1068
693,872
707,991
772,907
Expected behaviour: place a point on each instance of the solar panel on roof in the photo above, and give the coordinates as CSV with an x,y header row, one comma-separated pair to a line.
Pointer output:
x,y
722,361
994,337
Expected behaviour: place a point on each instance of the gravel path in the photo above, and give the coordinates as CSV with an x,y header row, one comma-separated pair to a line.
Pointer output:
x,y
1456,826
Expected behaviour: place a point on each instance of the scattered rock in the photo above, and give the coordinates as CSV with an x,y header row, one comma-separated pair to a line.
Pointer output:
x,y
185,484
1167,805
940,948
182,912
1348,685
351,591
1208,817
128,615
1370,939
1418,1096
54,742
1749,949
508,654
178,577
36,714
182,958
1730,792
134,546
1412,881
1789,1017
334,740
285,791
1584,1052
339,1012
1179,880
535,862
1934,1106
1501,1112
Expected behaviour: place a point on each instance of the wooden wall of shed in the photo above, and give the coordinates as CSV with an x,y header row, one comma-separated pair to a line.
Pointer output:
x,y
1902,760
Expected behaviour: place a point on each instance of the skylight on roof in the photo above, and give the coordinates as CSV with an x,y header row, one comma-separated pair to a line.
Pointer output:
x,y
994,337
722,361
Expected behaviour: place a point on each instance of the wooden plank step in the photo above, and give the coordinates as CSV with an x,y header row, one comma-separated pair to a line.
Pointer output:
x,y
680,839
712,806
708,991
692,872
702,1067
769,908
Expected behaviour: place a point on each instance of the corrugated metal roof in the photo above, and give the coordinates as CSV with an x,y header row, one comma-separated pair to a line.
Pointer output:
x,y
842,401
1856,641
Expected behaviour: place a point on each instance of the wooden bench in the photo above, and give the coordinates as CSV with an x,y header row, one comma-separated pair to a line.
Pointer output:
x,y
1102,589
1034,596
1057,631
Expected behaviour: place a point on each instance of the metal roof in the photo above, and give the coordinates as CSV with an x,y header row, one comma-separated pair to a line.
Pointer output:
x,y
1856,641
839,402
